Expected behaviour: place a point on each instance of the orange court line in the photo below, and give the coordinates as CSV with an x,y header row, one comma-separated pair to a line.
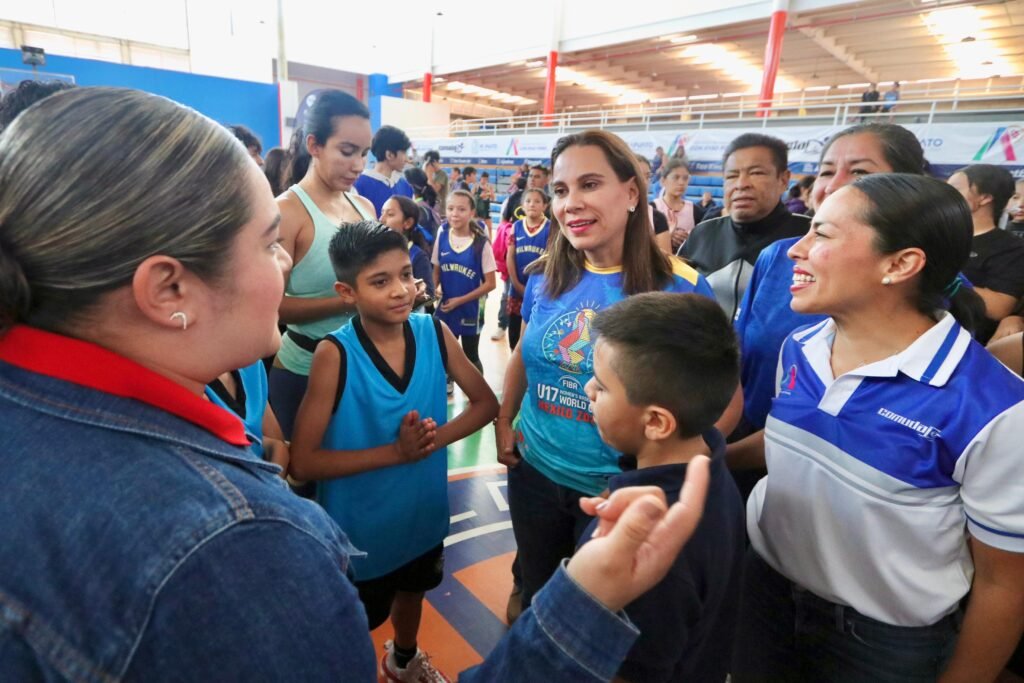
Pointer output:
x,y
490,581
448,651
497,469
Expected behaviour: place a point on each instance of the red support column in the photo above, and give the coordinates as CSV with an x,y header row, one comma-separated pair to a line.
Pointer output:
x,y
549,89
772,55
359,88
428,83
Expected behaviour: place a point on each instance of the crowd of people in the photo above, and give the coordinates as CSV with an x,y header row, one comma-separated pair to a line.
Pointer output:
x,y
809,358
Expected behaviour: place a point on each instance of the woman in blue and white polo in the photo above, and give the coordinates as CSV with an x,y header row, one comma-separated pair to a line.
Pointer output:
x,y
895,480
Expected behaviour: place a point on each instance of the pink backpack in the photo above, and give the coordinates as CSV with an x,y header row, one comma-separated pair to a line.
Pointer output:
x,y
500,247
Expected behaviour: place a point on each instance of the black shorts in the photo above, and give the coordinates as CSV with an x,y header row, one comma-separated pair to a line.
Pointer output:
x,y
417,576
1016,663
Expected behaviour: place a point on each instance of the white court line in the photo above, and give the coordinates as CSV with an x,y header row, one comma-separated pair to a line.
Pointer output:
x,y
499,500
462,516
495,466
475,532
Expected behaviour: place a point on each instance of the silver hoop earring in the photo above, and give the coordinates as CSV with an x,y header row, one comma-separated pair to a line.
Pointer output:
x,y
184,319
886,280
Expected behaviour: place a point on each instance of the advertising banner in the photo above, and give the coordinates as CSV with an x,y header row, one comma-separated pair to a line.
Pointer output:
x,y
947,146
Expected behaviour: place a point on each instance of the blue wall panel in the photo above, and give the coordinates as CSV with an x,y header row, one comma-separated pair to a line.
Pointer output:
x,y
222,99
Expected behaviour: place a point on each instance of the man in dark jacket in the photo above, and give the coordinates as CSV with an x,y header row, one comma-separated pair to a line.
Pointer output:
x,y
756,169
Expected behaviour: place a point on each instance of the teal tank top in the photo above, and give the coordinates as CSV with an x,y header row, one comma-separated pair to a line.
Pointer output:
x,y
313,278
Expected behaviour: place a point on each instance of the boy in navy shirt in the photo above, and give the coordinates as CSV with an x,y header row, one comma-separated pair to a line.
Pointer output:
x,y
372,430
665,368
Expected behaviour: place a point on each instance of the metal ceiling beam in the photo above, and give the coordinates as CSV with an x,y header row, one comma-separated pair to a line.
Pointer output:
x,y
831,46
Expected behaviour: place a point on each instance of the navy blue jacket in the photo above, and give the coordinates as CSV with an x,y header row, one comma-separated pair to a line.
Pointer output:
x,y
687,621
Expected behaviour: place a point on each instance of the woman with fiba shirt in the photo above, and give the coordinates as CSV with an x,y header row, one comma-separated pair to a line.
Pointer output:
x,y
603,251
894,484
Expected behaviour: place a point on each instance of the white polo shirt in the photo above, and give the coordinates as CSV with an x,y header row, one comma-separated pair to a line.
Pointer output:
x,y
873,476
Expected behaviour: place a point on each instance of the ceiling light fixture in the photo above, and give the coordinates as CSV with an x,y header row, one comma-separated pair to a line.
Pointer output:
x,y
477,91
621,94
732,64
964,33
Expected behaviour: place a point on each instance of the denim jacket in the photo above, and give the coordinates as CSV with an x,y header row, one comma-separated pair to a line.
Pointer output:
x,y
143,541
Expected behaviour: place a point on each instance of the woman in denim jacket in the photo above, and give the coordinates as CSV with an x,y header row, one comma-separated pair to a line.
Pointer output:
x,y
139,260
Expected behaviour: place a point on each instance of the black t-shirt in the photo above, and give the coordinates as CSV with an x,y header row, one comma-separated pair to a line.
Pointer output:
x,y
997,263
660,221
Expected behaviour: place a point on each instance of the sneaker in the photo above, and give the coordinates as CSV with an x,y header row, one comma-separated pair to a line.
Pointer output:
x,y
515,605
451,387
419,670
498,335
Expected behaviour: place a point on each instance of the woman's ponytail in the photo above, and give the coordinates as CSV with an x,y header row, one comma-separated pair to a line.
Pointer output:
x,y
15,291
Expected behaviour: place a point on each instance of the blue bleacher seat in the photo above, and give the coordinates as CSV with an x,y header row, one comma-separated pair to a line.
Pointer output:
x,y
706,181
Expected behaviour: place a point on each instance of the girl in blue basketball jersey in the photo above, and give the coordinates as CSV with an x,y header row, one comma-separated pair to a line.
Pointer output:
x,y
528,243
401,215
463,272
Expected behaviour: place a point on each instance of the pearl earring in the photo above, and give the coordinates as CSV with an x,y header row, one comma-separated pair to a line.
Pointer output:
x,y
886,280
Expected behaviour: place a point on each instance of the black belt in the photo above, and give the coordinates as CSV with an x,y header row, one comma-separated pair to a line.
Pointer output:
x,y
302,341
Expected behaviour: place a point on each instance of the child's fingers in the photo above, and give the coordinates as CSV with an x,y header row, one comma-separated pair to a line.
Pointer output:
x,y
608,510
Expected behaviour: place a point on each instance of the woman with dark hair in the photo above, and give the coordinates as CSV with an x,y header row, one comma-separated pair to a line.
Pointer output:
x,y
765,317
163,548
879,448
996,265
683,215
603,251
274,166
326,159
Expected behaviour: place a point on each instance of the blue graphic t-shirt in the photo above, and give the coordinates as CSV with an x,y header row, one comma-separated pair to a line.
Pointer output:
x,y
555,431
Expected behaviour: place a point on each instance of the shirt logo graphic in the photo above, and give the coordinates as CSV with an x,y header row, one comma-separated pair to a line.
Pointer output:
x,y
567,341
788,381
924,430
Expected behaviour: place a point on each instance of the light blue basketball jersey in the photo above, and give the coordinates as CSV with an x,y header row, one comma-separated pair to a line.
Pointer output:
x,y
394,514
254,385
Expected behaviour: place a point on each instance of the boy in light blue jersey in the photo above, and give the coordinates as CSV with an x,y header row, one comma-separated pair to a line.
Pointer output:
x,y
372,430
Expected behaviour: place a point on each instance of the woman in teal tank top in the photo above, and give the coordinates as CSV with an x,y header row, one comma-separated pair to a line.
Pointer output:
x,y
327,157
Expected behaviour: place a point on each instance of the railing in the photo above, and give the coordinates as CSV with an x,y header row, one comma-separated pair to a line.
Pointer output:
x,y
834,110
